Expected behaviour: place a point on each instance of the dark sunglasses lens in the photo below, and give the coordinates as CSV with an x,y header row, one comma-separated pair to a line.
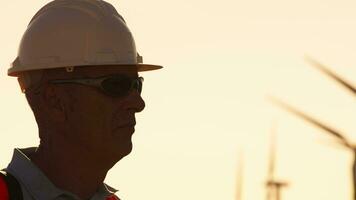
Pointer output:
x,y
117,86
138,85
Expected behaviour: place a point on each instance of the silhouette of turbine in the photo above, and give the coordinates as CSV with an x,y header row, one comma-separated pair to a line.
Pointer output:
x,y
339,137
351,89
273,185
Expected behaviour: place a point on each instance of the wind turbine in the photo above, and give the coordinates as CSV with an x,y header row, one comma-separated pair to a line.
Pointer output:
x,y
273,185
339,137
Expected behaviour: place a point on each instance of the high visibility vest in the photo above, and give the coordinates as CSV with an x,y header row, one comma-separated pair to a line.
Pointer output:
x,y
10,189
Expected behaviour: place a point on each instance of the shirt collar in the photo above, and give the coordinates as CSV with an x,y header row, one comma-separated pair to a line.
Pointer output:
x,y
36,182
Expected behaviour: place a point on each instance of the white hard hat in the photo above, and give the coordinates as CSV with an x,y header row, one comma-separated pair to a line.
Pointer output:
x,y
70,33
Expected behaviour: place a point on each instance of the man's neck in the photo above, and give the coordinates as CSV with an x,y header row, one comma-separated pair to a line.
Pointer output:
x,y
71,170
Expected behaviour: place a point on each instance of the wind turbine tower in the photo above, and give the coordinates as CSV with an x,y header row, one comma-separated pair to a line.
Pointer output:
x,y
273,185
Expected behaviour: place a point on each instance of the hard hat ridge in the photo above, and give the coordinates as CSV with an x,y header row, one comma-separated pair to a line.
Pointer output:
x,y
95,8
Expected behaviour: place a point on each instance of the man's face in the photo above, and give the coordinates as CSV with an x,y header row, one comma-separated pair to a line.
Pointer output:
x,y
101,124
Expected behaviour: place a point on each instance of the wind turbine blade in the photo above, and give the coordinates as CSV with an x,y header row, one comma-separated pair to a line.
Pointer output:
x,y
313,121
325,70
271,165
335,144
354,175
272,154
239,177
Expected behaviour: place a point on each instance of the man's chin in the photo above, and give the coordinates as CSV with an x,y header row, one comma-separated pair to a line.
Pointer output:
x,y
125,149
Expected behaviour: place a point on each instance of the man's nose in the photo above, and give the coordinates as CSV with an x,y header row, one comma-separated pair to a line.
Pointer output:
x,y
135,101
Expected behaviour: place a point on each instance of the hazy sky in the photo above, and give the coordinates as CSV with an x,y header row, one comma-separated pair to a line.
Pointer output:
x,y
221,59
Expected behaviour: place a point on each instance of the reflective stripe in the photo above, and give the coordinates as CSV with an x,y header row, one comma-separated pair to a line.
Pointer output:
x,y
4,195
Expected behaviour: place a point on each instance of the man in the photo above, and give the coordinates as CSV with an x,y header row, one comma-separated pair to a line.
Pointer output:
x,y
78,67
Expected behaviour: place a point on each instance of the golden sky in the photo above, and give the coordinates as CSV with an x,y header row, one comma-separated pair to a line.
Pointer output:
x,y
221,59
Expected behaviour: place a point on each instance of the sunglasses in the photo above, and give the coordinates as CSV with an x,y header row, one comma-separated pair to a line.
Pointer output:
x,y
113,85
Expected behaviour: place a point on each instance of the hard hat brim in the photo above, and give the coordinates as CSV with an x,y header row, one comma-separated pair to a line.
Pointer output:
x,y
139,67
147,67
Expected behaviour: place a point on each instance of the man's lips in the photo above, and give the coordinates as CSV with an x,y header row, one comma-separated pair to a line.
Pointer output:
x,y
132,124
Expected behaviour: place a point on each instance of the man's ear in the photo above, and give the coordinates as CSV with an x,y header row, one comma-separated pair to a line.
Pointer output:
x,y
55,100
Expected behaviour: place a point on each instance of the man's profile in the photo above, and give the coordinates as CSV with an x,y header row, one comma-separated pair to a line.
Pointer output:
x,y
78,66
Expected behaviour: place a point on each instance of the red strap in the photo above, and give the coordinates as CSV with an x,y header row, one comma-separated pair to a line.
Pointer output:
x,y
112,197
4,195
